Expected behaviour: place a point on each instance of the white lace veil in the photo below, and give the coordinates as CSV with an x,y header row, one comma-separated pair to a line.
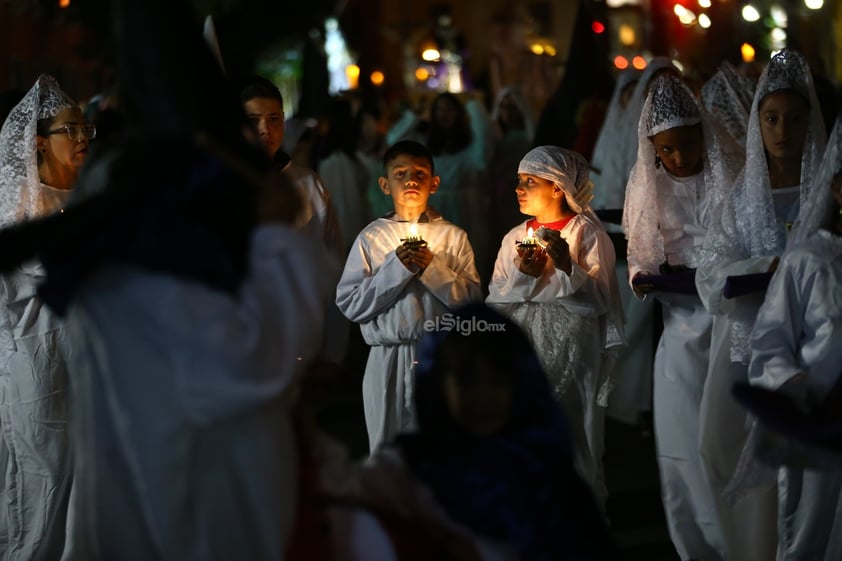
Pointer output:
x,y
816,211
19,181
727,97
670,104
628,147
610,184
757,232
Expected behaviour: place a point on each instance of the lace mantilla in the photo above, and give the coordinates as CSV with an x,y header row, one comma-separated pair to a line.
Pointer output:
x,y
746,224
727,97
19,181
670,104
656,67
817,209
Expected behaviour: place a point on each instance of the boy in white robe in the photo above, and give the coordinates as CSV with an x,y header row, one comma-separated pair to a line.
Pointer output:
x,y
566,298
396,290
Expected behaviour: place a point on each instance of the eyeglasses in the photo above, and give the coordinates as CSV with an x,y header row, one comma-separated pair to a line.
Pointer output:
x,y
76,132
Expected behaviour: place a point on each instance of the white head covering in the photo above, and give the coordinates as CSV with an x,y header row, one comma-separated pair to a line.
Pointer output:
x,y
727,96
19,181
566,168
816,210
757,233
610,183
746,225
515,93
628,154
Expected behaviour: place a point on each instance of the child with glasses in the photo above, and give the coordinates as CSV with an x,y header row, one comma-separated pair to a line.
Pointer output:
x,y
43,144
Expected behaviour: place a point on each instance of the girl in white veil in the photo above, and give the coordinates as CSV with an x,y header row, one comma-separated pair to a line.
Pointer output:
x,y
795,351
747,236
566,298
666,211
43,144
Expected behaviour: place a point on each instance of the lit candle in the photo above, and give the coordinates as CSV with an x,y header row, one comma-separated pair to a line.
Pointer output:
x,y
530,238
529,245
413,240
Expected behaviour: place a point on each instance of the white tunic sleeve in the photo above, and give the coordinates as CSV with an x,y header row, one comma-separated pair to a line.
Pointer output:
x,y
799,326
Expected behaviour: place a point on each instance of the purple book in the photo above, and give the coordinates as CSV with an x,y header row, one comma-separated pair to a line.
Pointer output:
x,y
745,284
683,282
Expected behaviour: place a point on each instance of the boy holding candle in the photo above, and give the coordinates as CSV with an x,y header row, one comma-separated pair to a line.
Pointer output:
x,y
559,284
393,284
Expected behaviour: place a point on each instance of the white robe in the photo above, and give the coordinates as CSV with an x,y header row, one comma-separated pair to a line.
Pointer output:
x,y
185,449
35,468
681,363
571,321
395,306
349,180
748,523
798,330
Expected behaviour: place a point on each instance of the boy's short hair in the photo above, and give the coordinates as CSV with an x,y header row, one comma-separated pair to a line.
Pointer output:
x,y
259,87
408,148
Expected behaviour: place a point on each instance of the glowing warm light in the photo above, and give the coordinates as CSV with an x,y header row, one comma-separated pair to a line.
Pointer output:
x,y
537,48
639,62
530,233
778,35
704,3
63,3
377,78
750,13
598,27
621,62
431,55
685,16
704,21
747,52
549,50
628,37
352,72
779,16
413,230
814,4
421,74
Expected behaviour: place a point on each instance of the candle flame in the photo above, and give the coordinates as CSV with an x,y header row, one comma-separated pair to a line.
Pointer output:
x,y
530,233
413,230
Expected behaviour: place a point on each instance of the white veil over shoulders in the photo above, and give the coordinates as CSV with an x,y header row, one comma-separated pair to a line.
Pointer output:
x,y
816,210
727,96
628,151
670,104
19,181
757,232
746,225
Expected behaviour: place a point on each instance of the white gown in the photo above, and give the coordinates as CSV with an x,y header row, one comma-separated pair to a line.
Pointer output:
x,y
749,522
573,321
681,363
185,449
799,329
35,467
394,306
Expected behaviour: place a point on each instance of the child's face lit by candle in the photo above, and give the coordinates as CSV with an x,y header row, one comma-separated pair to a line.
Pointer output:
x,y
537,196
410,182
